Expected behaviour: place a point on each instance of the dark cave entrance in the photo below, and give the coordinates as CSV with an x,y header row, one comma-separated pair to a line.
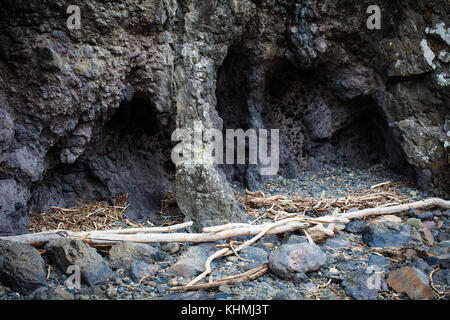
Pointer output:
x,y
129,154
317,128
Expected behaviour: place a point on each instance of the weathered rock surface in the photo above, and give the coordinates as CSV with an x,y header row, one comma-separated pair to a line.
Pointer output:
x,y
49,293
386,234
122,255
94,269
21,267
356,226
362,285
87,113
192,262
289,259
289,295
410,281
140,270
255,256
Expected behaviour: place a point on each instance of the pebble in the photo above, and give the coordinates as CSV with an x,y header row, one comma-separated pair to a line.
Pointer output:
x,y
386,234
362,285
356,226
173,282
334,243
379,261
192,263
426,215
414,222
427,237
171,247
49,293
429,224
410,281
292,258
94,269
288,295
122,255
232,258
224,288
111,292
21,266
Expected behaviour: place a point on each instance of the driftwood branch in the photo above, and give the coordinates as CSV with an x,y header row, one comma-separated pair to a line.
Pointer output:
x,y
249,275
211,234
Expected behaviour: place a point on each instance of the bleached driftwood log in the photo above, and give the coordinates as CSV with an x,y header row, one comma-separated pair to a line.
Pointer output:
x,y
211,234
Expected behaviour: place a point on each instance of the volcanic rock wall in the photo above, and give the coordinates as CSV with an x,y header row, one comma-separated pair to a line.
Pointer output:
x,y
88,113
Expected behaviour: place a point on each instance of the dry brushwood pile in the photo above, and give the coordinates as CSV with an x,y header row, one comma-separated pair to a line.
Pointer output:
x,y
279,206
101,215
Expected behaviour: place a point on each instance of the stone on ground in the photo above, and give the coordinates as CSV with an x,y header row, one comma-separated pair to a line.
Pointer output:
x,y
122,255
362,284
65,252
21,267
410,281
386,234
49,293
289,259
288,295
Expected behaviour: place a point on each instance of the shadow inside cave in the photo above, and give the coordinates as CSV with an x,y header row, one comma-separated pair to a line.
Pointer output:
x,y
129,154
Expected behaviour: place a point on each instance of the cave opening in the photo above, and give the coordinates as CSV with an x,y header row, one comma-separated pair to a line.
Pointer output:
x,y
129,154
317,127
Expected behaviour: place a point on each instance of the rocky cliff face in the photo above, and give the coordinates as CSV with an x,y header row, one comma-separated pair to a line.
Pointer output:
x,y
88,113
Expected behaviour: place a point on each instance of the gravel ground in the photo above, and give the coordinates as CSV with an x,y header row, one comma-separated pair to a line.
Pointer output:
x,y
347,255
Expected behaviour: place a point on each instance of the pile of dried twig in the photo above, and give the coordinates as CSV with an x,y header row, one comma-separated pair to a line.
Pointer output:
x,y
262,206
84,217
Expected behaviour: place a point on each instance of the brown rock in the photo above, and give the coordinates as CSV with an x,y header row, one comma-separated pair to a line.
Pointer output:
x,y
409,281
427,237
410,254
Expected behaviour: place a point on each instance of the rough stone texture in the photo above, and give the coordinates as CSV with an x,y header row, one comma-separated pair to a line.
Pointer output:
x,y
49,293
426,215
410,281
356,226
21,267
139,270
414,222
289,259
88,113
379,261
361,285
334,243
122,255
386,234
94,269
255,256
288,295
427,237
192,263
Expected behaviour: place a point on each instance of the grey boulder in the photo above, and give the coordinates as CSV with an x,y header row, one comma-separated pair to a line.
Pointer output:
x,y
386,234
49,293
289,259
21,266
94,269
122,255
